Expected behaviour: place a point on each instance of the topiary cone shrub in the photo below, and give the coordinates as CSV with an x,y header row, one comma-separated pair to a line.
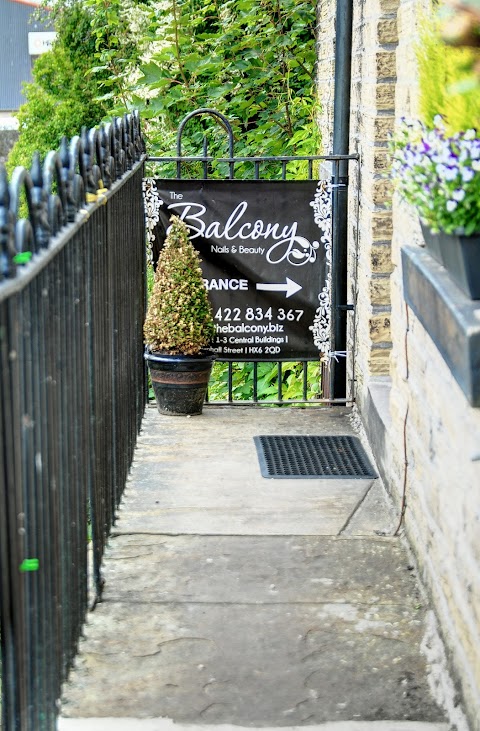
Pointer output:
x,y
179,317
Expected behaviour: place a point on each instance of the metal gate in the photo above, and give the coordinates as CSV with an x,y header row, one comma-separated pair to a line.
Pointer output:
x,y
312,379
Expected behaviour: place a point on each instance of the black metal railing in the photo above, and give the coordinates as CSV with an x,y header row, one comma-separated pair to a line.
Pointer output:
x,y
72,395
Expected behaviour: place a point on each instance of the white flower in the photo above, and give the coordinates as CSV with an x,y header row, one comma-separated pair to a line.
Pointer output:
x,y
467,174
451,205
475,151
447,173
458,195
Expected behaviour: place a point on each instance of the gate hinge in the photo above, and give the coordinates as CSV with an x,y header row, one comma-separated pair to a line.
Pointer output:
x,y
345,307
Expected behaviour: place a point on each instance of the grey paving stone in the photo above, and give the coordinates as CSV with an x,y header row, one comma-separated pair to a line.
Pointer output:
x,y
258,569
232,599
247,664
201,476
164,724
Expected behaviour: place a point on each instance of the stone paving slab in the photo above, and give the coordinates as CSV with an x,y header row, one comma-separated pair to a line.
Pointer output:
x,y
201,476
232,599
255,631
323,513
164,724
275,664
257,569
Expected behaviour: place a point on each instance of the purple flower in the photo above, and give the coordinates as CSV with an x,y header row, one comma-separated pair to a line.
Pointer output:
x,y
436,172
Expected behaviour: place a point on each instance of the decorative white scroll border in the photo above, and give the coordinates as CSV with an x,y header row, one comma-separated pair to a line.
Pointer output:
x,y
322,213
152,203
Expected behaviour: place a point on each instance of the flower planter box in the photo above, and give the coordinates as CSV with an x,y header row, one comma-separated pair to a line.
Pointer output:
x,y
447,315
460,255
439,174
432,243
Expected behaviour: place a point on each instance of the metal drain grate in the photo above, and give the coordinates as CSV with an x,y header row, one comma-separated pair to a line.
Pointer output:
x,y
312,456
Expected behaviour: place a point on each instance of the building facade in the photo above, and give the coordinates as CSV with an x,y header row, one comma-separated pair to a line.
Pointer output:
x,y
22,37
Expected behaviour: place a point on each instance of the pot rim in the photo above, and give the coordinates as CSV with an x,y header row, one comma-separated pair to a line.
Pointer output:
x,y
158,357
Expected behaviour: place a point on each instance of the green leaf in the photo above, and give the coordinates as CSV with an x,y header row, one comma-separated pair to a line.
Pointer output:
x,y
151,73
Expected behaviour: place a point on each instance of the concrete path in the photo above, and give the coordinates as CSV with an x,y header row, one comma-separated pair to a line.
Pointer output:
x,y
231,599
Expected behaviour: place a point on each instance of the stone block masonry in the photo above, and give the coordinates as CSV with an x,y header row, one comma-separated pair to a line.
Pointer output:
x,y
373,94
375,35
443,476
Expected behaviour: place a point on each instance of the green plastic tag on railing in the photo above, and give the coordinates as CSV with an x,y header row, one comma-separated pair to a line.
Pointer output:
x,y
23,257
29,564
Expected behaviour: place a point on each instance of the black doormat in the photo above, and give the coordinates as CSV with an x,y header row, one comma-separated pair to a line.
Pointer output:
x,y
295,457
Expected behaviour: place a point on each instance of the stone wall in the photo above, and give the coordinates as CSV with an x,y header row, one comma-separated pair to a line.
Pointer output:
x,y
434,445
442,440
326,69
422,430
372,118
372,103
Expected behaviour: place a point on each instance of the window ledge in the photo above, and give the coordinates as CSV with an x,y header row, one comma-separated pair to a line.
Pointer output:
x,y
450,318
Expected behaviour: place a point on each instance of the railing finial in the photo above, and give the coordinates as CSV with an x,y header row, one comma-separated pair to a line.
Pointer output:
x,y
39,203
56,190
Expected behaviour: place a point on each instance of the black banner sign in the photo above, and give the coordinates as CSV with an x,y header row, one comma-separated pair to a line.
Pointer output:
x,y
266,252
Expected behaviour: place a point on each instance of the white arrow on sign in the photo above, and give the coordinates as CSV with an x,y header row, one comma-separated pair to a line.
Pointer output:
x,y
289,287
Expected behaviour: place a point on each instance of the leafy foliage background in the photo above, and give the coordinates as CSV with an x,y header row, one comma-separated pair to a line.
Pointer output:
x,y
71,85
252,60
447,83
